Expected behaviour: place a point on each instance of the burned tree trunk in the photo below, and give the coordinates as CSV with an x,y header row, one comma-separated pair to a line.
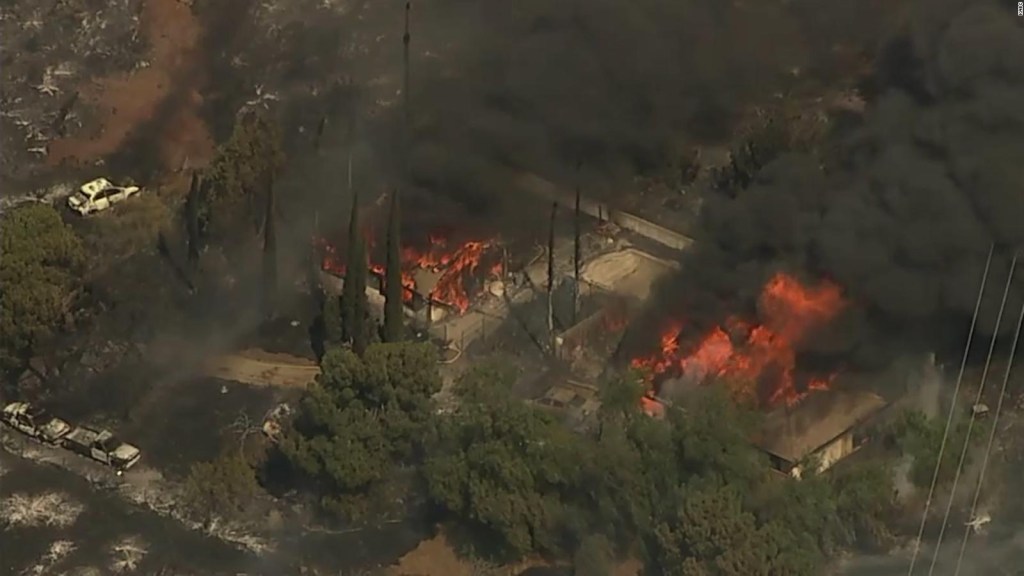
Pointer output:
x,y
192,222
551,276
577,253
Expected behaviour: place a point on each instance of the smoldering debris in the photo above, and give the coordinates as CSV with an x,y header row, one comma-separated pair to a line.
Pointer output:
x,y
57,551
127,553
904,212
46,509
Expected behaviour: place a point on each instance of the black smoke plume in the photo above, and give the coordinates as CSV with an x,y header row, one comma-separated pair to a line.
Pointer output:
x,y
902,212
621,86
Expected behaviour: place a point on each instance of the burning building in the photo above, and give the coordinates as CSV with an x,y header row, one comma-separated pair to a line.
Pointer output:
x,y
819,431
758,360
443,278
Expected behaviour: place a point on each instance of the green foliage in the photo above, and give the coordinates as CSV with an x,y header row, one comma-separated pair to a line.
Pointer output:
x,y
40,262
594,557
235,181
222,487
354,306
362,418
689,492
864,496
503,467
393,291
920,438
331,314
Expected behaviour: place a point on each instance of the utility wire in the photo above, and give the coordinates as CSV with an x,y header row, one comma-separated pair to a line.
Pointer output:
x,y
991,439
970,423
952,411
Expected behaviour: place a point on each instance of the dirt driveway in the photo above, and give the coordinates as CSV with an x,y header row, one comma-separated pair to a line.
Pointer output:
x,y
163,97
259,368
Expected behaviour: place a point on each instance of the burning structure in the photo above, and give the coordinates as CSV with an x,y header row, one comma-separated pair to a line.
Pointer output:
x,y
443,278
757,360
819,431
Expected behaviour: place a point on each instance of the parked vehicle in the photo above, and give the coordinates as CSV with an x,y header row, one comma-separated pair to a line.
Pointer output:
x,y
102,446
34,421
98,195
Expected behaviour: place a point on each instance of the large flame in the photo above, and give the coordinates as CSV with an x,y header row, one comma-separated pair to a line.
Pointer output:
x,y
455,266
760,355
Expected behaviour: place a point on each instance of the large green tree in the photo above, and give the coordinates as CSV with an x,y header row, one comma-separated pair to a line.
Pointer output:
x,y
503,467
362,418
41,260
233,203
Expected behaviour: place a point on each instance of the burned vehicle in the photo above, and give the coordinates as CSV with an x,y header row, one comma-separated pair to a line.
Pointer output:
x,y
98,195
102,446
35,421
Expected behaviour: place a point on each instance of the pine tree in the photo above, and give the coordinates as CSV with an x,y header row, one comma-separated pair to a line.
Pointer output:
x,y
393,314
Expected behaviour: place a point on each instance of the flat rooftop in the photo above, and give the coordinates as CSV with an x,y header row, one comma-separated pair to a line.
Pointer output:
x,y
792,433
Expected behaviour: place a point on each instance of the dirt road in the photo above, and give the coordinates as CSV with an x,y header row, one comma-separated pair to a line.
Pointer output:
x,y
259,368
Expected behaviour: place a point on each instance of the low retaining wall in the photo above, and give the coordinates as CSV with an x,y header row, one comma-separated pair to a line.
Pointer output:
x,y
541,187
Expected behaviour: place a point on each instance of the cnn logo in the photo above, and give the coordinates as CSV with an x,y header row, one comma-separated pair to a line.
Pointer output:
x,y
1020,8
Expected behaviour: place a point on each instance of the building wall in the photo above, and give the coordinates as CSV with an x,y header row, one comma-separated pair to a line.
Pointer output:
x,y
829,454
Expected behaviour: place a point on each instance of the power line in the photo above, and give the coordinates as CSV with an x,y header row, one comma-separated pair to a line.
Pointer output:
x,y
970,423
952,410
991,438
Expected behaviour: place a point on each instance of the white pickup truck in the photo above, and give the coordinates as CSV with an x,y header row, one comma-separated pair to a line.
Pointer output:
x,y
102,446
34,421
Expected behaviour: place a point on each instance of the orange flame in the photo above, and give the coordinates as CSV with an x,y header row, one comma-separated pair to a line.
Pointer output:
x,y
454,266
765,353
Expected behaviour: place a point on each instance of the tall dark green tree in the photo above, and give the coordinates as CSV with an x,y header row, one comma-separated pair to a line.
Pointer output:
x,y
270,246
353,288
358,272
393,316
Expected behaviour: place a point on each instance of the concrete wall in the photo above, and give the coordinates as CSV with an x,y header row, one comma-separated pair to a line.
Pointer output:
x,y
576,336
540,187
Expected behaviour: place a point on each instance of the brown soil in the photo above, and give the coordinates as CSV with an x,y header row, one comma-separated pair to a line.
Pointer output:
x,y
166,93
436,557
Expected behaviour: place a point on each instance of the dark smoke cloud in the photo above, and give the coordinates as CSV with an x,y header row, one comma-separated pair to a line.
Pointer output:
x,y
903,215
543,84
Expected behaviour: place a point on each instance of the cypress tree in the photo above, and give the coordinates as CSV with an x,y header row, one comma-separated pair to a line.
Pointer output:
x,y
393,279
332,322
270,247
352,288
357,271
